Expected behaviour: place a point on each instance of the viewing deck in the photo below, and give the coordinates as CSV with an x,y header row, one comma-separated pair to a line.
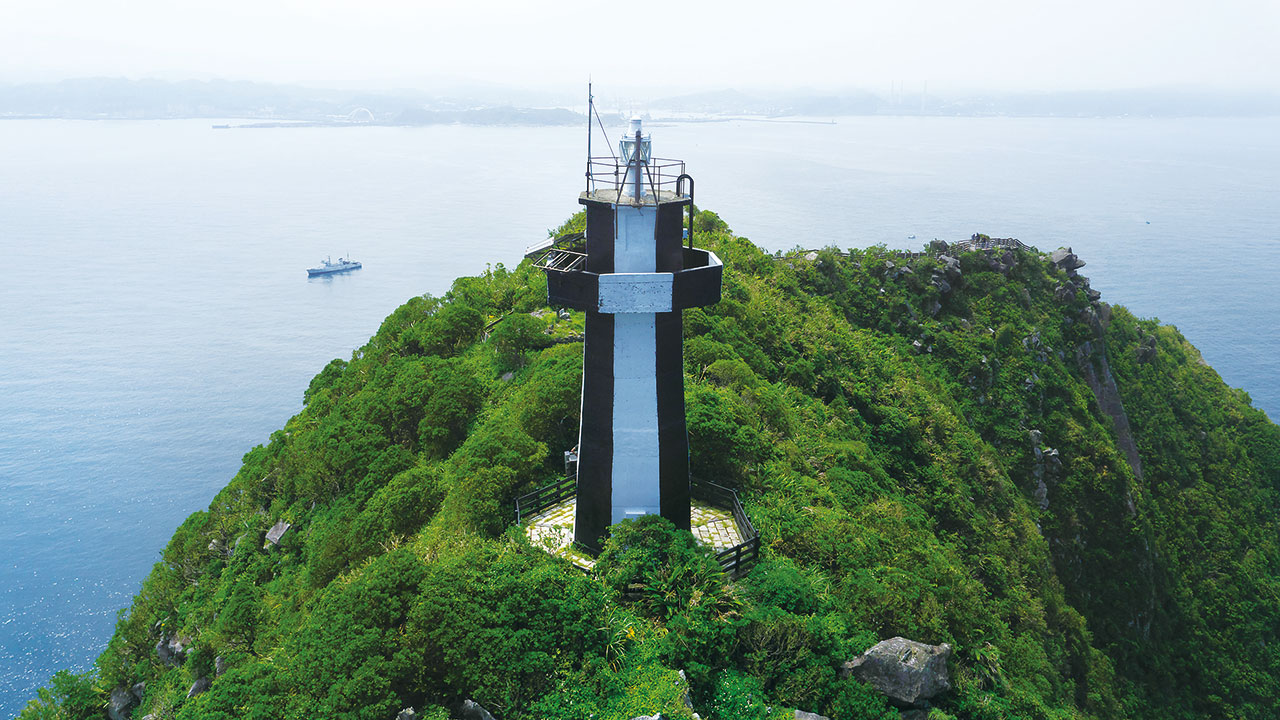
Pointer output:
x,y
552,530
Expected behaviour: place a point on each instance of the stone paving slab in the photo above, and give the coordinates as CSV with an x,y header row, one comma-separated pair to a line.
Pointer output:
x,y
552,530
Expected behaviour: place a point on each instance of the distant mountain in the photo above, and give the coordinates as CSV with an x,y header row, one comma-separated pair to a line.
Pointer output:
x,y
90,98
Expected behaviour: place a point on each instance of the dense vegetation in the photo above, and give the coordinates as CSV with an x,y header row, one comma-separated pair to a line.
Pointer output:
x,y
881,433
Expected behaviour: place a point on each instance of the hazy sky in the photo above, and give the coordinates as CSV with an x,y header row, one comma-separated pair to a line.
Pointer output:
x,y
953,46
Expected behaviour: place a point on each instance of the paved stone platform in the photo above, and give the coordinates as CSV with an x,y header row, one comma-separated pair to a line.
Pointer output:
x,y
552,530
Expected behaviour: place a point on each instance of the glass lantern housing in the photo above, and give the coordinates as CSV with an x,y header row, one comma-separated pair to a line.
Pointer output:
x,y
627,149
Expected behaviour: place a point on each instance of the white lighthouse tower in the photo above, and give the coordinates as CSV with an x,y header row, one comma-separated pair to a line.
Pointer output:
x,y
633,276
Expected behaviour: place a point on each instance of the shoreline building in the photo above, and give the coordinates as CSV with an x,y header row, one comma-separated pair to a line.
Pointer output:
x,y
633,274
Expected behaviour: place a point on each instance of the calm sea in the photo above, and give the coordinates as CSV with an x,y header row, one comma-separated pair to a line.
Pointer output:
x,y
156,321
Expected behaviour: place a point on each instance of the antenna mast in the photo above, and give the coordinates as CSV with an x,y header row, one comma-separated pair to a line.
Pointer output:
x,y
591,108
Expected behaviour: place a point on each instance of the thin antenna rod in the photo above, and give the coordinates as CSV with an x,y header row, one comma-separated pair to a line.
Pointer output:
x,y
591,106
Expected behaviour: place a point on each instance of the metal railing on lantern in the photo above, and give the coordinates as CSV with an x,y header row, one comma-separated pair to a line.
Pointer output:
x,y
607,180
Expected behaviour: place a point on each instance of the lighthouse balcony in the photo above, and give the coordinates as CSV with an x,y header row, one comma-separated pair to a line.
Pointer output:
x,y
697,285
613,180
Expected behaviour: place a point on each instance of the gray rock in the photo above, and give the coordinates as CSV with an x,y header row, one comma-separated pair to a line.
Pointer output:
x,y
951,267
120,703
172,650
199,686
685,697
906,672
1036,438
149,717
940,281
506,376
1066,260
277,532
219,666
802,715
1146,350
1042,494
139,690
918,714
471,710
407,714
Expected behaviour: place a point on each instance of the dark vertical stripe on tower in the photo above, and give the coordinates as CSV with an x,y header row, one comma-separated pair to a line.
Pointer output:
x,y
595,448
673,439
600,231
668,234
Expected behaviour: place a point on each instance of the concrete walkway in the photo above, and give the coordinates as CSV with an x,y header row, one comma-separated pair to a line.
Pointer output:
x,y
552,530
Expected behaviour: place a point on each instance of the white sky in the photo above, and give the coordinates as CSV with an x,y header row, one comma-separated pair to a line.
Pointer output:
x,y
953,46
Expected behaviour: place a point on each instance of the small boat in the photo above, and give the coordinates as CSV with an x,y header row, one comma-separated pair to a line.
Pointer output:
x,y
911,237
328,267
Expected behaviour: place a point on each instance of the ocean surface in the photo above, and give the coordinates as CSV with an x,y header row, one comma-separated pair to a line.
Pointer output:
x,y
156,321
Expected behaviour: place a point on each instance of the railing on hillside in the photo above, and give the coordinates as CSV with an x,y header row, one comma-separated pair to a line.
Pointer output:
x,y
989,243
936,248
531,504
735,560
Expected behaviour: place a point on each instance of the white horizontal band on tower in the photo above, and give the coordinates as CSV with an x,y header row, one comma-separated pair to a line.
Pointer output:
x,y
635,292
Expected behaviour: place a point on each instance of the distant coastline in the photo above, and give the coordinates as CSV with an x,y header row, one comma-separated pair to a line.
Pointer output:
x,y
268,105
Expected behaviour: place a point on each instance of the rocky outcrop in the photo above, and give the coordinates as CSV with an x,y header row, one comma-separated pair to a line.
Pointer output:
x,y
407,714
1002,263
120,703
1046,470
686,698
1103,384
1145,351
471,710
199,686
172,650
802,715
219,666
945,276
906,672
1066,260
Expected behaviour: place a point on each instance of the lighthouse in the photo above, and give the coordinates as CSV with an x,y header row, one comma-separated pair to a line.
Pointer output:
x,y
632,273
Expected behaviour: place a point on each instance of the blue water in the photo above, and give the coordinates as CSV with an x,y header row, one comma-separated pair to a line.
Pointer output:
x,y
156,322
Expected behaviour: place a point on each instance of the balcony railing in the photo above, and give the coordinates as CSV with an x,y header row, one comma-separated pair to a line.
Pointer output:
x,y
659,177
565,253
